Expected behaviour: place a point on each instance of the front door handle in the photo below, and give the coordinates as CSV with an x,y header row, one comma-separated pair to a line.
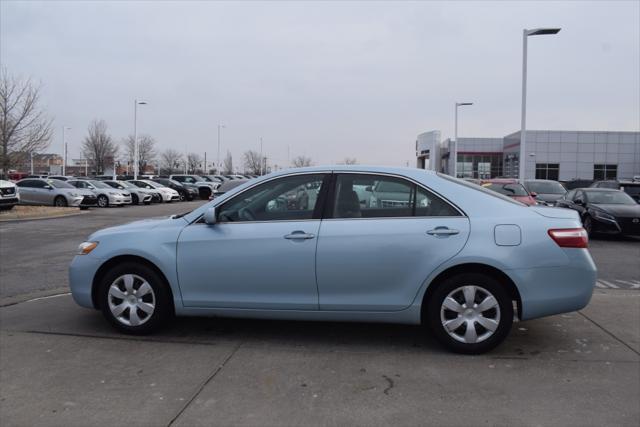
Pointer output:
x,y
299,235
443,231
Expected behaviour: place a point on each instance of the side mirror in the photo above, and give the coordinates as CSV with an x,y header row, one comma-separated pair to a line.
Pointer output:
x,y
578,202
210,216
48,187
534,194
369,188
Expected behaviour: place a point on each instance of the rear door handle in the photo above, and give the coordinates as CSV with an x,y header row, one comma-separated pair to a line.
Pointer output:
x,y
299,235
443,231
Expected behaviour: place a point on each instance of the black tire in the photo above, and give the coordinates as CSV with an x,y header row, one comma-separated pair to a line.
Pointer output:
x,y
103,201
134,199
587,224
481,282
204,193
183,196
60,202
163,305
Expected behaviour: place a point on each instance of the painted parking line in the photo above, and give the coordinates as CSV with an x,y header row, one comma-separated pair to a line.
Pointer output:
x,y
617,284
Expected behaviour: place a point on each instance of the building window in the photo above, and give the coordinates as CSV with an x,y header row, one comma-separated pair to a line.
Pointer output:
x,y
604,172
548,171
481,166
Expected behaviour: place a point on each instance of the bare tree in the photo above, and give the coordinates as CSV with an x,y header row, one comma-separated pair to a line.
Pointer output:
x,y
350,161
253,163
98,147
146,151
194,161
228,164
170,160
24,127
301,161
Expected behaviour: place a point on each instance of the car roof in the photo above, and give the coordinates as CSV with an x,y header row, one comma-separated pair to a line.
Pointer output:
x,y
592,189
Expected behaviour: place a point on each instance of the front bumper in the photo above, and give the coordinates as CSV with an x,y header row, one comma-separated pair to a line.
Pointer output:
x,y
74,201
82,270
119,200
89,201
626,226
9,201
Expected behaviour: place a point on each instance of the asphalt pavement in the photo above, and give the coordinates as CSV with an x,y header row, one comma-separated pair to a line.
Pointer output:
x,y
63,365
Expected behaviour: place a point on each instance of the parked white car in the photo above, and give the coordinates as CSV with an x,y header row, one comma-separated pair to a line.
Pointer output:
x,y
9,195
168,195
107,195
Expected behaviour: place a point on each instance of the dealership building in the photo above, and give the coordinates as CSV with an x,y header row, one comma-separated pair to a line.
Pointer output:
x,y
558,155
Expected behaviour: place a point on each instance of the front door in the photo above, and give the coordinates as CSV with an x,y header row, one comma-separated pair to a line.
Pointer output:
x,y
382,238
261,252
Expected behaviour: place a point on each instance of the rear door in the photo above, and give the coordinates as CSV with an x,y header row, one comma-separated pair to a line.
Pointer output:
x,y
27,191
375,257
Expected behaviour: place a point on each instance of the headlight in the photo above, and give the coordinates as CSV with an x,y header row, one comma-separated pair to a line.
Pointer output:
x,y
602,215
86,247
75,195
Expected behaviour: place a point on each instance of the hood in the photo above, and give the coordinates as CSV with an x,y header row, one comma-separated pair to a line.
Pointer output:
x,y
549,197
145,224
622,211
83,191
560,213
6,184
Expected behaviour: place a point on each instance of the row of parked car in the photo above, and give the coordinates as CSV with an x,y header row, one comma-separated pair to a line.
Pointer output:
x,y
607,207
104,191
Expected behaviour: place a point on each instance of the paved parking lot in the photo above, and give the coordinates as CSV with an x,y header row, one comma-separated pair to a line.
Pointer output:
x,y
62,365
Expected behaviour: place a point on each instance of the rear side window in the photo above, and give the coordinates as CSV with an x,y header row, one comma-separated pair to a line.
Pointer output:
x,y
378,196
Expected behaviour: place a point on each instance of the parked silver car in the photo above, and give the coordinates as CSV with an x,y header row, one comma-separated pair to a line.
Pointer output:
x,y
106,195
138,195
38,191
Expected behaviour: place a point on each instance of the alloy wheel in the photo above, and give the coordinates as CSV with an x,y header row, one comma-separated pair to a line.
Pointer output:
x,y
470,314
103,202
131,300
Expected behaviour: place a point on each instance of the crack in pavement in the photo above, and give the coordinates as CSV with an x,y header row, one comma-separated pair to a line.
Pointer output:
x,y
611,334
204,384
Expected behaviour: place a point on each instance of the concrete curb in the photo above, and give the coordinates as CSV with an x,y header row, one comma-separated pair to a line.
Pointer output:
x,y
42,217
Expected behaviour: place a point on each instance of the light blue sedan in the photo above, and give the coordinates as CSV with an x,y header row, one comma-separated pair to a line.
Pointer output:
x,y
303,244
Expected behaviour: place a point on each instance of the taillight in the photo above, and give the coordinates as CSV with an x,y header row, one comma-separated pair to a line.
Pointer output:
x,y
570,237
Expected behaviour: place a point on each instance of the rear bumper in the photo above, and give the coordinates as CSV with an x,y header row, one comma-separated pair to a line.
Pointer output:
x,y
554,290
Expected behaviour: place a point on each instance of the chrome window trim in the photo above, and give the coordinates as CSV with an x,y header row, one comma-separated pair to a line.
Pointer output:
x,y
329,171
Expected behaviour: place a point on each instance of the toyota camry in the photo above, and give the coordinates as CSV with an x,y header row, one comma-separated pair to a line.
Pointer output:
x,y
457,258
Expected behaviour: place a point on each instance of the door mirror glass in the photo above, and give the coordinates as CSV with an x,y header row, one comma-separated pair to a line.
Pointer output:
x,y
48,187
578,202
534,194
210,216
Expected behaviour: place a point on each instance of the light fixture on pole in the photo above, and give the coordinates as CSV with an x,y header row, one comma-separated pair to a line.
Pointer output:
x,y
218,165
454,158
64,149
135,140
523,119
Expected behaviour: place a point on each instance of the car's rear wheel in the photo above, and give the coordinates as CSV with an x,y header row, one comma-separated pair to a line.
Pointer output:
x,y
470,313
103,201
60,201
134,299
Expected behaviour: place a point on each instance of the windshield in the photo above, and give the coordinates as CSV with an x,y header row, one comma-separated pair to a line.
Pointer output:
x,y
115,185
507,189
154,184
609,198
126,184
545,187
478,188
99,184
59,184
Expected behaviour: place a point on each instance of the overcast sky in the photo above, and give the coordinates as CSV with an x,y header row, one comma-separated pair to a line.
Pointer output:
x,y
328,79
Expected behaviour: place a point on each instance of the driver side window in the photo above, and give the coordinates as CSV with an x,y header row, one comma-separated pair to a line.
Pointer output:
x,y
292,198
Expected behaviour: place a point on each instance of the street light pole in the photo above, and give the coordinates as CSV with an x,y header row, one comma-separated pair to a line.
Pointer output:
x,y
135,140
64,149
455,135
261,162
220,126
523,119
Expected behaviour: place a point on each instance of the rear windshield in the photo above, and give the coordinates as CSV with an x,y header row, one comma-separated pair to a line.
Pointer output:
x,y
59,184
545,187
479,188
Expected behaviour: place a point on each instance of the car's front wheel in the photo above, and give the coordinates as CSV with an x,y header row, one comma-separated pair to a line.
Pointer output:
x,y
587,223
135,299
103,201
470,313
